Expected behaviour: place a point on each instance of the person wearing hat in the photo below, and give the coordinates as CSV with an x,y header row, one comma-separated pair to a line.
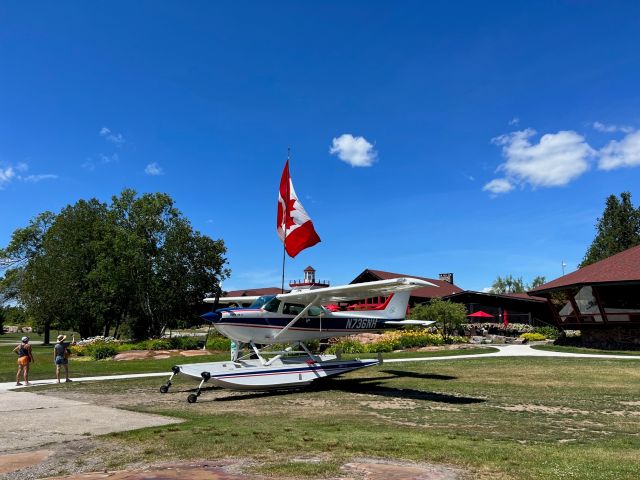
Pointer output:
x,y
61,355
25,357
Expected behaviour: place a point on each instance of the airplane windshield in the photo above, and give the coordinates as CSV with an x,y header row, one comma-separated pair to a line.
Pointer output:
x,y
260,301
272,305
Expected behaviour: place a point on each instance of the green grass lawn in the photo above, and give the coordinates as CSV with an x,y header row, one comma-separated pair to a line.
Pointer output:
x,y
34,337
558,348
497,418
43,368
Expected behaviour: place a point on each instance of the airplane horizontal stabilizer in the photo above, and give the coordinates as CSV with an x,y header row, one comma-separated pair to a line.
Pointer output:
x,y
421,323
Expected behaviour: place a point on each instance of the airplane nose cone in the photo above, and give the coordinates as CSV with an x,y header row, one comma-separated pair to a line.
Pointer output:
x,y
211,317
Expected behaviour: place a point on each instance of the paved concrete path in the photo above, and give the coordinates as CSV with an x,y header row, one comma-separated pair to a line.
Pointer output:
x,y
30,420
516,351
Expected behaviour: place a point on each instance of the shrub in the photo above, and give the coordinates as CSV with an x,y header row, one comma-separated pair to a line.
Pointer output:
x,y
101,350
533,337
186,343
218,342
347,345
547,331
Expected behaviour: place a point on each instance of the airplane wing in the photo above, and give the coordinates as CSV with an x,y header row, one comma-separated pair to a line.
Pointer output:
x,y
356,291
228,300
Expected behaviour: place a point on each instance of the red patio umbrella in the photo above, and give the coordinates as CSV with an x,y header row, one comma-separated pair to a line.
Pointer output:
x,y
480,314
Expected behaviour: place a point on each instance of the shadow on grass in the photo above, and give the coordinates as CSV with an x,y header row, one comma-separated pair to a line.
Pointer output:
x,y
369,386
425,376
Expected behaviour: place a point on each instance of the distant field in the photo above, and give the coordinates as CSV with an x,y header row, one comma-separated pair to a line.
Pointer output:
x,y
496,418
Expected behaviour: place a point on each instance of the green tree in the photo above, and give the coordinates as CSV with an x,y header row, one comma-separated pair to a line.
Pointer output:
x,y
510,284
617,230
447,315
95,267
25,247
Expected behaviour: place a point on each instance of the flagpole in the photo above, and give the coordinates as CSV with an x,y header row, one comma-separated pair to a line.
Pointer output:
x,y
286,216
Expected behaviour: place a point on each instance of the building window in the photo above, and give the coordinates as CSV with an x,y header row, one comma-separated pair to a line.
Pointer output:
x,y
588,305
621,303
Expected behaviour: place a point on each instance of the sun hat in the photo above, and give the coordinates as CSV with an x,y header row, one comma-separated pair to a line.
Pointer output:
x,y
61,337
25,339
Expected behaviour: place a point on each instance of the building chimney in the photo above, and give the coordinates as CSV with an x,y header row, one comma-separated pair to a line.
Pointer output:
x,y
446,277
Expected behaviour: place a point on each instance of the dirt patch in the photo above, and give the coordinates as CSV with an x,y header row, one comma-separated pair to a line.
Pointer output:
x,y
395,404
544,409
381,470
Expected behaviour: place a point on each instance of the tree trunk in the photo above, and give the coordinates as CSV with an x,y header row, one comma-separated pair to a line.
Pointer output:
x,y
47,333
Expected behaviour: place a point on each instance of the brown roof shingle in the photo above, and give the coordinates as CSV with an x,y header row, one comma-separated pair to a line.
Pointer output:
x,y
621,267
443,288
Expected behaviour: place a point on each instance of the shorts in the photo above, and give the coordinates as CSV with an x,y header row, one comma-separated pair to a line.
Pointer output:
x,y
23,361
60,360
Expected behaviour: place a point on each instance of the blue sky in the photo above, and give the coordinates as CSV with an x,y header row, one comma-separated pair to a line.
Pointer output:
x,y
485,137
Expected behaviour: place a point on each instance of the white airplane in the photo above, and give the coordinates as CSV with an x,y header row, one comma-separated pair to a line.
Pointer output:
x,y
292,319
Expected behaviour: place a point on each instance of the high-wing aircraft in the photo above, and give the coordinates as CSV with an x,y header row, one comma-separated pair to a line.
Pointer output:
x,y
292,319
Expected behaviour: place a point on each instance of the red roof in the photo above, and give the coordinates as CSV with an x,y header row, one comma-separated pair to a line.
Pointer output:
x,y
252,292
309,269
443,288
515,296
621,267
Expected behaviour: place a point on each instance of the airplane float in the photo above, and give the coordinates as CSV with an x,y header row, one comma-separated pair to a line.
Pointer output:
x,y
293,319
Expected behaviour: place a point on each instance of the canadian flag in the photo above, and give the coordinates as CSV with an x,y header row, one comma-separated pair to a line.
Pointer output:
x,y
294,226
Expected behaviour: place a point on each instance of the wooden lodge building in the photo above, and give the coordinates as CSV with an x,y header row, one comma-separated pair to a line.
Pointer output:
x,y
602,300
496,308
444,287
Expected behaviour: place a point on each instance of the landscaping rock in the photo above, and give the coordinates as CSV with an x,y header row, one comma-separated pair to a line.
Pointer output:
x,y
18,461
194,353
132,355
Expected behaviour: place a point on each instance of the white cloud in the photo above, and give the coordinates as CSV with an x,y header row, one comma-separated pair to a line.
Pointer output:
x,y
153,169
602,127
514,121
39,177
8,174
623,153
109,158
355,151
115,138
557,159
498,186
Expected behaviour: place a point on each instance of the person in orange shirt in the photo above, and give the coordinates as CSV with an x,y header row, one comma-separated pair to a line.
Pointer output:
x,y
25,357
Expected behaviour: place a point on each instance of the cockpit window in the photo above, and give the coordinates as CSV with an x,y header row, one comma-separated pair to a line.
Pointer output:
x,y
272,305
296,308
260,301
292,308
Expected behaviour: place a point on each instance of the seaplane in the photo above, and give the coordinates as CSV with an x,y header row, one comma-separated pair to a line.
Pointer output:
x,y
275,329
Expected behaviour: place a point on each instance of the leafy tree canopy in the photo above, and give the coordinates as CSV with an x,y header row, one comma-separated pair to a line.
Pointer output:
x,y
447,315
510,284
617,230
135,264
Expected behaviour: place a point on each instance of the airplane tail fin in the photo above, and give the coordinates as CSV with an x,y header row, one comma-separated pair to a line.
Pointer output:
x,y
396,307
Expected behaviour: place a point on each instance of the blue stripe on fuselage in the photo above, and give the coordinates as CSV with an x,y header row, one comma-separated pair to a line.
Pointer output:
x,y
310,323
